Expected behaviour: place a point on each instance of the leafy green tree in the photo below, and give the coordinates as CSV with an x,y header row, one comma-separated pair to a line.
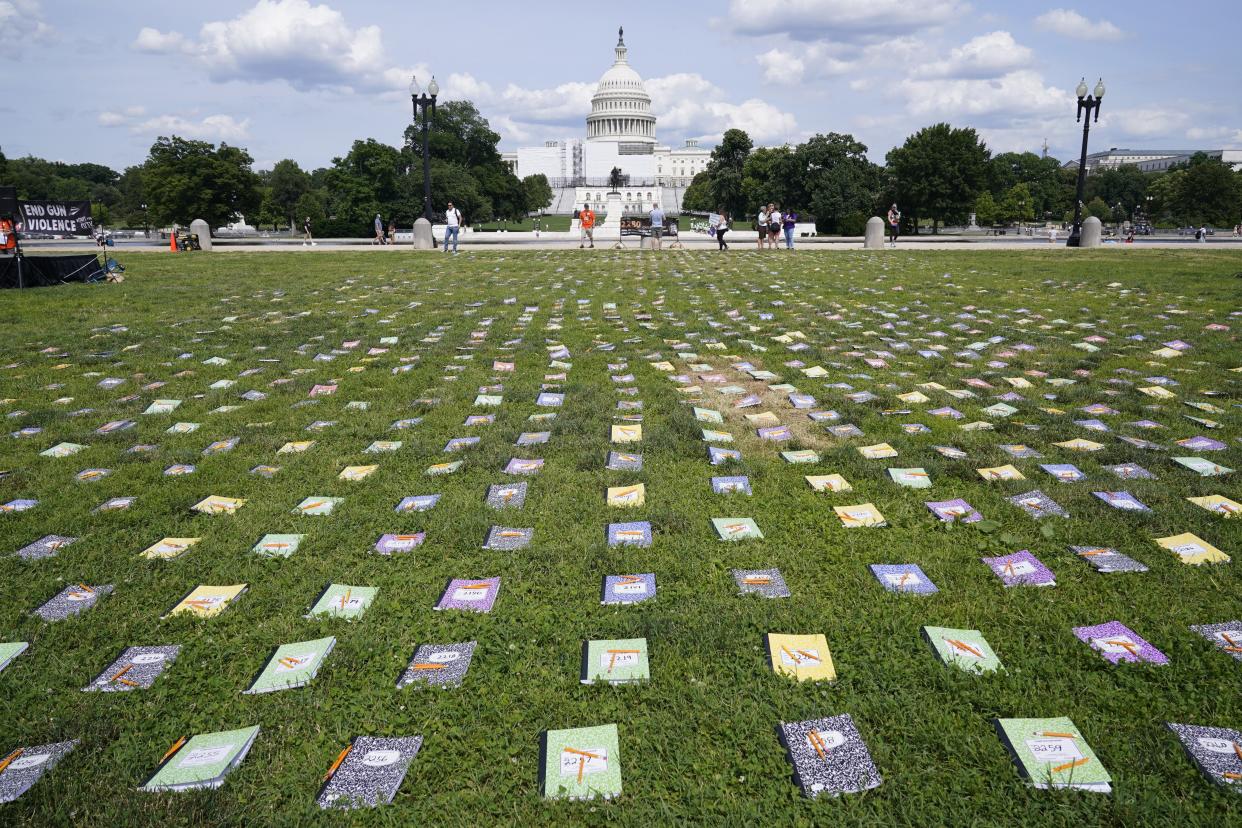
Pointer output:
x,y
1050,190
986,210
1209,193
538,192
310,204
286,183
1099,208
698,197
1165,191
186,180
725,173
771,175
363,182
837,182
1017,205
939,172
133,196
1125,185
462,138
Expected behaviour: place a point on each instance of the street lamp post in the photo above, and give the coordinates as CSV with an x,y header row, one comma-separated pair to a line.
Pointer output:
x,y
1086,103
427,103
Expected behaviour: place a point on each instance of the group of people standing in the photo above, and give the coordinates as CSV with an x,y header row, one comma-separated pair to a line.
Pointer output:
x,y
772,223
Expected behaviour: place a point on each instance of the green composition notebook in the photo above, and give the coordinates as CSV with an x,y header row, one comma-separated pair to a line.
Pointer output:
x,y
11,650
203,761
343,601
965,649
582,763
1051,753
293,665
618,661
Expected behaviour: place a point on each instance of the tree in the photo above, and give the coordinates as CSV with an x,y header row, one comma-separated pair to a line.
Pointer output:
x,y
287,183
133,197
697,197
1099,208
986,209
1165,190
1209,192
4,166
186,180
1050,190
939,172
771,175
363,182
462,138
1017,205
1125,185
838,183
725,173
538,192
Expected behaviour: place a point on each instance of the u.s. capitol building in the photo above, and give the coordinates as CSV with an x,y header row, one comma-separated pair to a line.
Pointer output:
x,y
621,133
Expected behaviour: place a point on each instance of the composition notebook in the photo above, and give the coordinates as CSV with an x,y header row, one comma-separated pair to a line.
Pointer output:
x,y
967,650
582,763
801,657
368,772
23,767
203,761
10,650
829,756
136,668
1051,753
293,665
343,601
1217,751
615,661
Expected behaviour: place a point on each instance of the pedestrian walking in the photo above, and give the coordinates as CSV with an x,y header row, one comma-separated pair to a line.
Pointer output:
x,y
657,226
894,225
790,221
452,226
774,225
721,228
761,222
392,231
1201,235
586,225
379,229
307,239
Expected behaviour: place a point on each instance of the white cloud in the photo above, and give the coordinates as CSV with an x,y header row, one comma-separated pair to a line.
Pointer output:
x,y
1069,23
1017,93
210,128
986,56
308,46
842,20
792,66
160,43
1225,136
1147,122
21,23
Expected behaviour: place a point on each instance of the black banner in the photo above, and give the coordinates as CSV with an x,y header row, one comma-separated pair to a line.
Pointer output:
x,y
58,218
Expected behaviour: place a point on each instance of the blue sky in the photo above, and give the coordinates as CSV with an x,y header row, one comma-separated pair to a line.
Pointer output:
x,y
302,79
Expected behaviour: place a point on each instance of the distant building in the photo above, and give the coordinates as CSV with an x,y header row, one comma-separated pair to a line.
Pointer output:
x,y
621,133
1153,160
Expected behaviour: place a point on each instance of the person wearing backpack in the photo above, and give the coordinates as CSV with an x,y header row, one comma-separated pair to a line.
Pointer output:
x,y
452,226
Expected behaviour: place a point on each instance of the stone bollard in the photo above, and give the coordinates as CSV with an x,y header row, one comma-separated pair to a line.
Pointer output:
x,y
199,228
874,239
423,240
1092,230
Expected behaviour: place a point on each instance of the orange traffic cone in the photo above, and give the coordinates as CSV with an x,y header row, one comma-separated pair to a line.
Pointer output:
x,y
172,240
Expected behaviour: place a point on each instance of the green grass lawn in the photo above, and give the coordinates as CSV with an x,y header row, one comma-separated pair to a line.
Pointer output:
x,y
558,224
698,742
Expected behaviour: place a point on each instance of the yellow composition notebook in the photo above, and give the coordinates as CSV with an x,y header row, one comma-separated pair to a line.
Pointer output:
x,y
801,657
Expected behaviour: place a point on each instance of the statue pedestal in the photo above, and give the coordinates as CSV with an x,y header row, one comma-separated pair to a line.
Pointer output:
x,y
873,239
610,230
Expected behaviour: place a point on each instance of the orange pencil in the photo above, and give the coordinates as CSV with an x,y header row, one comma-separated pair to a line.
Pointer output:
x,y
8,760
339,759
176,746
1068,765
962,645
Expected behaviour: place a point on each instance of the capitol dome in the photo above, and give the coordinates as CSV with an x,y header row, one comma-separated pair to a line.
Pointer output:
x,y
621,107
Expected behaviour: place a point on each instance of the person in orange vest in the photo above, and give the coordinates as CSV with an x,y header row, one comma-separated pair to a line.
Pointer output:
x,y
586,221
8,238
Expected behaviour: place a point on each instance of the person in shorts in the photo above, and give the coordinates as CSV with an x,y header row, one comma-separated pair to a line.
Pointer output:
x,y
775,219
657,226
894,225
586,223
722,227
761,222
307,239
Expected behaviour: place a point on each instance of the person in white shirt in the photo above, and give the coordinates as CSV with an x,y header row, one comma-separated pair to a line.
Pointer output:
x,y
762,223
774,225
452,226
